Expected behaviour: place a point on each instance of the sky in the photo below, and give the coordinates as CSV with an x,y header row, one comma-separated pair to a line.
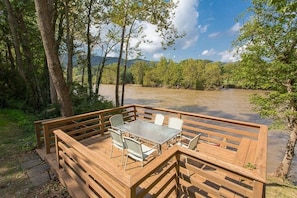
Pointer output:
x,y
210,27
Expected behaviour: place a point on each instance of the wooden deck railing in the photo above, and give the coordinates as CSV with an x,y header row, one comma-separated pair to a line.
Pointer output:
x,y
163,177
224,132
233,136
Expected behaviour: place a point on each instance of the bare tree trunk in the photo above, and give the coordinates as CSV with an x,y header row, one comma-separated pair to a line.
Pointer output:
x,y
69,41
99,74
119,64
89,41
284,168
35,89
44,16
53,93
16,42
125,64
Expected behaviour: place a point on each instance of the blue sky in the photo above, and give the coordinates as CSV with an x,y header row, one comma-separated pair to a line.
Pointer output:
x,y
210,26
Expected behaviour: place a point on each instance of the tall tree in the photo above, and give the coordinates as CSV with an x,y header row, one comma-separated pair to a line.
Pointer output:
x,y
89,5
269,61
107,45
157,12
69,43
45,11
21,20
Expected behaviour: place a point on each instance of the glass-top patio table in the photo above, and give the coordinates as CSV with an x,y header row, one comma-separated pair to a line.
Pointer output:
x,y
158,134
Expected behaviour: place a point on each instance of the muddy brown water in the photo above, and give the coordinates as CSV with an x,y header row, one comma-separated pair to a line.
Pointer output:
x,y
225,103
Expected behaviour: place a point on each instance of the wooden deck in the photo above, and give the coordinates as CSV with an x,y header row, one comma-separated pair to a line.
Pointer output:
x,y
229,161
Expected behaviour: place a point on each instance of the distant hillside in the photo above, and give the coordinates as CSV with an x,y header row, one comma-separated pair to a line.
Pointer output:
x,y
96,60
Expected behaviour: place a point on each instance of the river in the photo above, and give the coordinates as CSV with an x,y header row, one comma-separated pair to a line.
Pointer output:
x,y
225,103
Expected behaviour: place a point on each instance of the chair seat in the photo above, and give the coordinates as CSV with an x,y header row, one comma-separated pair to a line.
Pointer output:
x,y
182,145
118,145
146,151
136,150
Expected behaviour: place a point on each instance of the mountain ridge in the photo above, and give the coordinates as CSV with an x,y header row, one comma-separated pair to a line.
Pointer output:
x,y
96,60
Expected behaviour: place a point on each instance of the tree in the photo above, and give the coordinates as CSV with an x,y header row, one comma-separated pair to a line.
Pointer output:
x,y
138,70
23,36
126,13
269,62
44,11
212,75
190,73
107,45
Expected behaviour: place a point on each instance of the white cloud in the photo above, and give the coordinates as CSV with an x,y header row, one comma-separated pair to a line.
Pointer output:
x,y
208,52
203,28
214,35
235,28
232,55
227,56
157,56
186,20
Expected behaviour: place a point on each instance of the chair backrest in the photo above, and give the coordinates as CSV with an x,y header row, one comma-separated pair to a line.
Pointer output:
x,y
134,147
159,119
175,123
116,120
193,142
116,137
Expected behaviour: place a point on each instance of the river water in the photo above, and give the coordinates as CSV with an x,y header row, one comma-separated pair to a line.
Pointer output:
x,y
225,103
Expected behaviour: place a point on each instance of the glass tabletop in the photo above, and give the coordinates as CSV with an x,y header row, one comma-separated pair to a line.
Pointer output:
x,y
155,133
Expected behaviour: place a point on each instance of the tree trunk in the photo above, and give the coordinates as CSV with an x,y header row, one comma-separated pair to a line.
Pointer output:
x,y
119,64
35,90
16,42
125,64
44,16
69,42
99,74
89,42
284,167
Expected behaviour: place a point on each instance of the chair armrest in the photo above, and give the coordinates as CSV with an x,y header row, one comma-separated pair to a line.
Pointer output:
x,y
185,137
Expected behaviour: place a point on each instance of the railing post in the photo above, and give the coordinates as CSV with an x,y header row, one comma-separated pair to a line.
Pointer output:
x,y
46,138
129,193
258,189
177,168
101,123
135,112
57,150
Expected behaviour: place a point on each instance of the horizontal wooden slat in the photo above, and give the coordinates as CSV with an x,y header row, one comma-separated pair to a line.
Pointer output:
x,y
165,170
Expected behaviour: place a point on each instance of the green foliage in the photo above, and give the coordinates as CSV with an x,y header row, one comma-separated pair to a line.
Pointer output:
x,y
269,60
138,70
83,103
20,137
250,166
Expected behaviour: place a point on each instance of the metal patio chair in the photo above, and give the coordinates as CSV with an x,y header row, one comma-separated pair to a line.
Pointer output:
x,y
137,151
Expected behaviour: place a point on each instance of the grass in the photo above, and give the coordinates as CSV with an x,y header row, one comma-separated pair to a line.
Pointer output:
x,y
276,187
17,137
